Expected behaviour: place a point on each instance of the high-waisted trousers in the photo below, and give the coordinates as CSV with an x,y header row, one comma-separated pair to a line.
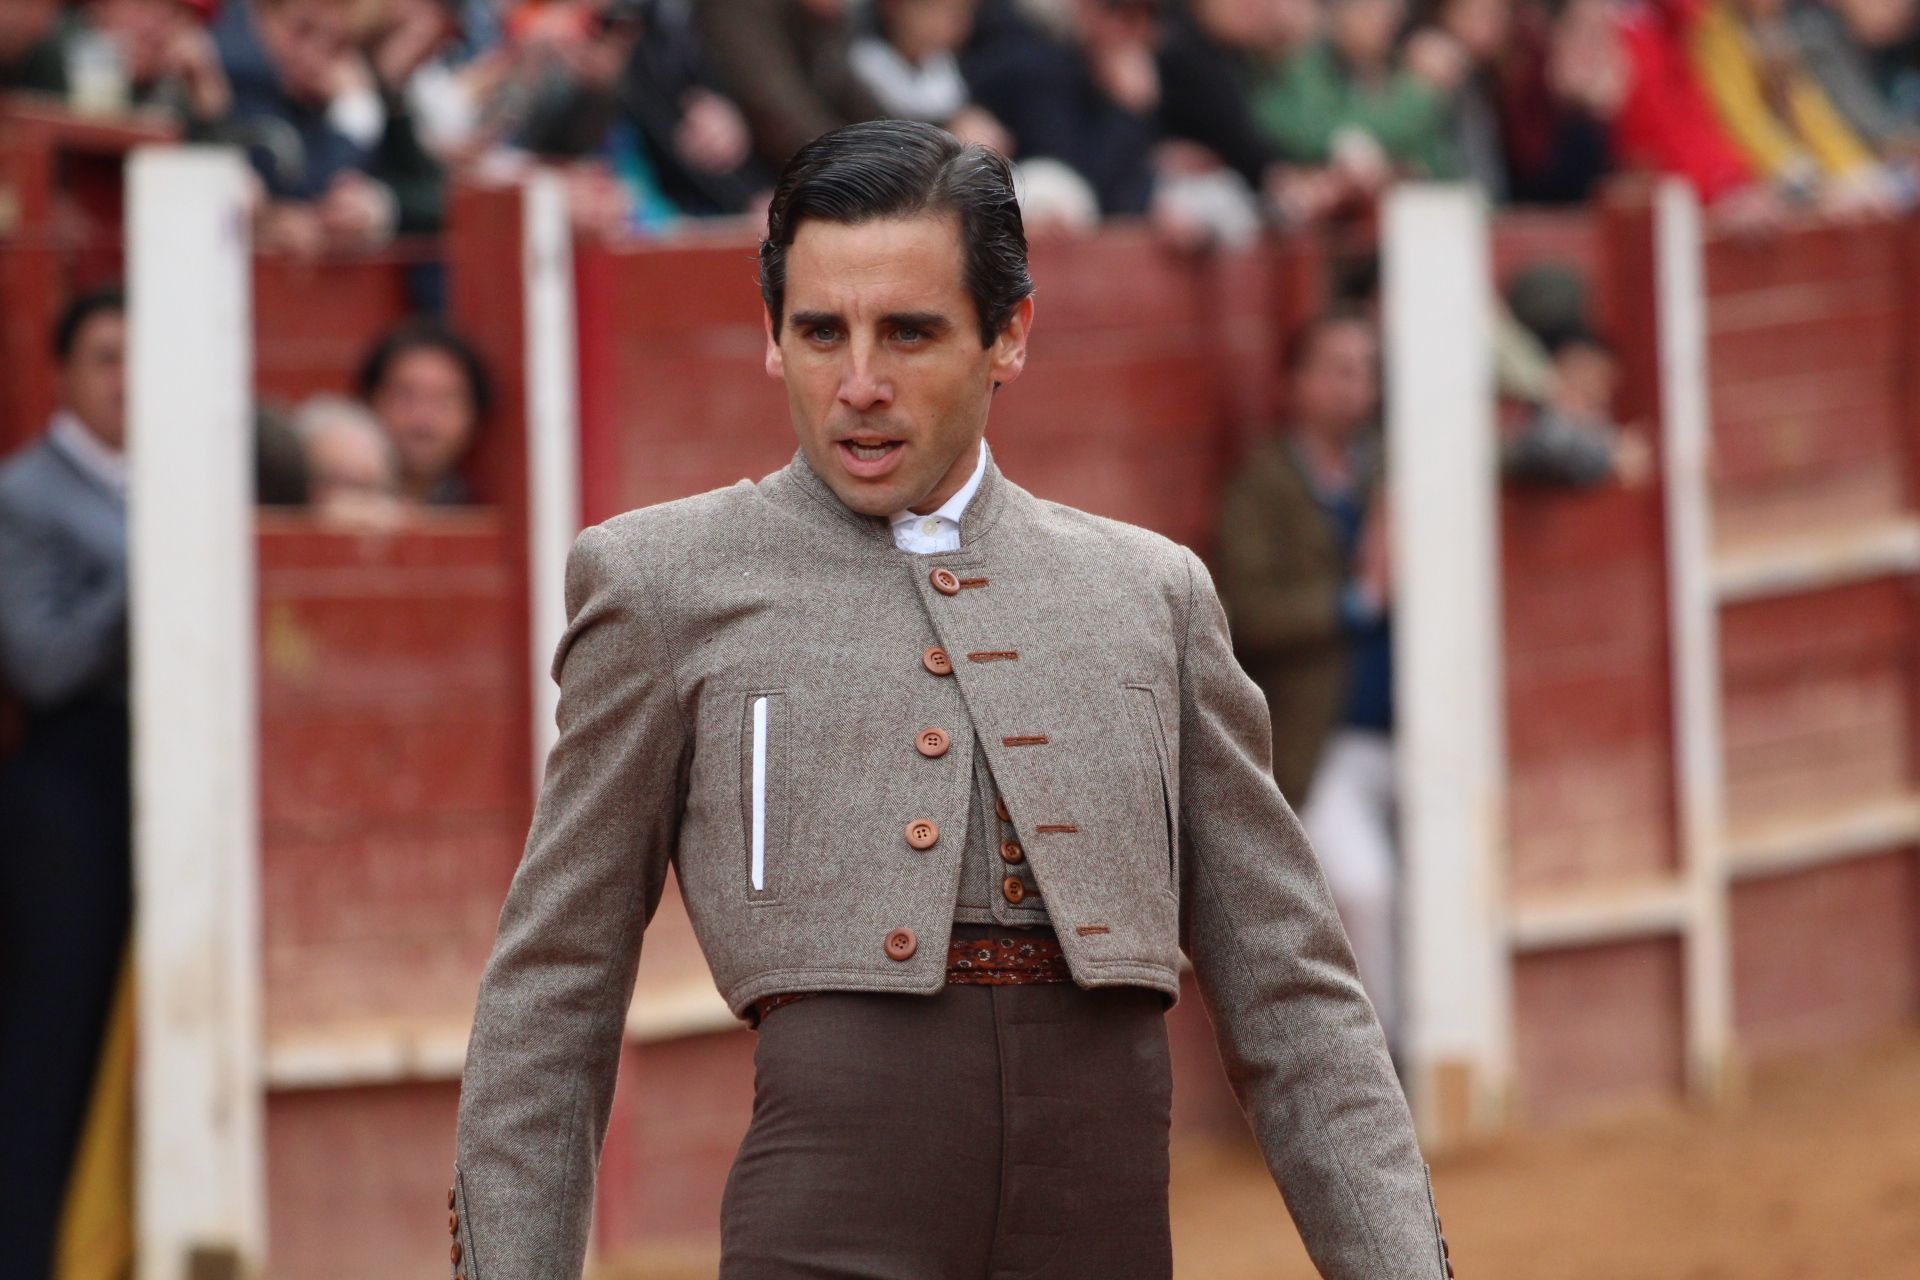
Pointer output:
x,y
983,1133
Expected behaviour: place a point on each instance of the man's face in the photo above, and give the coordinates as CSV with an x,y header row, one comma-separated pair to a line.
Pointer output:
x,y
1337,386
94,379
428,410
886,379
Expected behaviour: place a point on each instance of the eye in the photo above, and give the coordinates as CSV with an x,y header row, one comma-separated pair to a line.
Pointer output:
x,y
821,333
911,335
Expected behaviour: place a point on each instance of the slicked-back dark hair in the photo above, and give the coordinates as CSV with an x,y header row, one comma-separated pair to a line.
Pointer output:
x,y
904,169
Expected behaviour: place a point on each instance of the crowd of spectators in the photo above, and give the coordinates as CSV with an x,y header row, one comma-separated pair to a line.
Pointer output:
x,y
1210,116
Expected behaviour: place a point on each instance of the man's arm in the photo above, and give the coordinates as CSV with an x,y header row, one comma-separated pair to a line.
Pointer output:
x,y
63,616
1297,1034
553,1002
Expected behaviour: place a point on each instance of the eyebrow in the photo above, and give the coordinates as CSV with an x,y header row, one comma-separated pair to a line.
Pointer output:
x,y
932,321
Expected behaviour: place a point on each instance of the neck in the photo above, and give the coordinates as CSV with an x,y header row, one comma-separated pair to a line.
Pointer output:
x,y
956,477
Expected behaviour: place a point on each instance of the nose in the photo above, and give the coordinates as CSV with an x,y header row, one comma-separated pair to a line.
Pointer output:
x,y
863,385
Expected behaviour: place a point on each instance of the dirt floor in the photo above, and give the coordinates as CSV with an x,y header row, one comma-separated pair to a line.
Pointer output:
x,y
1815,1176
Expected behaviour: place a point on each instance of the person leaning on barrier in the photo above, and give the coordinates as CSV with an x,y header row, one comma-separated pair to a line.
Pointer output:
x,y
65,802
948,775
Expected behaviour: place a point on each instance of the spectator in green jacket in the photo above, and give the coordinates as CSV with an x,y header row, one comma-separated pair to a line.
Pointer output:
x,y
1351,99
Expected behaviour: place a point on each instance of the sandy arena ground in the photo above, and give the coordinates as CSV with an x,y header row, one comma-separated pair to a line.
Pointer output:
x,y
1815,1177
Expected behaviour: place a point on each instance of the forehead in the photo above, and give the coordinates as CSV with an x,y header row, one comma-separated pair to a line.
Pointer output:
x,y
883,265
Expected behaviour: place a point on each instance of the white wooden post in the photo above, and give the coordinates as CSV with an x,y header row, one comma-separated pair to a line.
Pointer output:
x,y
1450,750
553,436
199,1184
1698,762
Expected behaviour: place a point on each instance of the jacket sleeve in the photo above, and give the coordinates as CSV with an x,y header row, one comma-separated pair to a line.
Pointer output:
x,y
1297,1035
546,1038
63,613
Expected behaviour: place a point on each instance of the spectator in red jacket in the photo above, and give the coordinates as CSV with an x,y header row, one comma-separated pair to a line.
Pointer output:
x,y
1665,122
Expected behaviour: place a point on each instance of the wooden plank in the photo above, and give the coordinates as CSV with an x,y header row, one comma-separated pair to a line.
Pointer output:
x,y
1827,956
1598,1028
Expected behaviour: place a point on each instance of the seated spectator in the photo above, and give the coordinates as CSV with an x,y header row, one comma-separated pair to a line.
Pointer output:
x,y
1561,84
430,391
311,112
1346,100
1777,113
169,58
352,467
646,101
1667,124
1478,33
787,64
31,56
1855,49
1209,60
907,62
1078,86
65,797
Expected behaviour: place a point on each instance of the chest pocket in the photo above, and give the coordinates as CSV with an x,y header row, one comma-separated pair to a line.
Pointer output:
x,y
765,801
1153,749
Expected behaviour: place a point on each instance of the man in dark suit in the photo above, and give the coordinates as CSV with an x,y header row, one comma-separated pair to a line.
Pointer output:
x,y
65,809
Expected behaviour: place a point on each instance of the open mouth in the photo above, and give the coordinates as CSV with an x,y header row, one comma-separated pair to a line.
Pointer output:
x,y
869,457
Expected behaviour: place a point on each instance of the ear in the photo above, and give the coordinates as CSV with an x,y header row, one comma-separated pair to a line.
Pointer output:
x,y
1010,347
776,368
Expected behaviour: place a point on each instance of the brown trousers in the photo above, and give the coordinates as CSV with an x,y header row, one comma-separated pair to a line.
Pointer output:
x,y
984,1133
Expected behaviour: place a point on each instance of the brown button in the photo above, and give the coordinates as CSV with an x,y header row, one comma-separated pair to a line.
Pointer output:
x,y
453,1224
1010,851
449,1197
901,944
944,582
1014,888
922,834
456,1251
1000,808
932,743
937,661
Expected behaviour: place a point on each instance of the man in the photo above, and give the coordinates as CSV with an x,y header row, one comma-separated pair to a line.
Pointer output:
x,y
65,808
881,699
1303,573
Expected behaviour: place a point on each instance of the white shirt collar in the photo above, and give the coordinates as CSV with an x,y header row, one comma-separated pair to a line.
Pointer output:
x,y
99,460
938,530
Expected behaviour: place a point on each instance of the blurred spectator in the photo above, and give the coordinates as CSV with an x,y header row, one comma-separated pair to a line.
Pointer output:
x,y
1666,124
1346,100
1076,84
1209,60
787,63
352,467
279,461
1778,114
430,391
318,128
1861,53
1302,571
1570,439
1562,81
65,805
168,57
1477,33
31,57
907,62
648,103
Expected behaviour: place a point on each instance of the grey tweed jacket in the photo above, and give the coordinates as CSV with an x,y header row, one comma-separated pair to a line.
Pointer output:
x,y
752,658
